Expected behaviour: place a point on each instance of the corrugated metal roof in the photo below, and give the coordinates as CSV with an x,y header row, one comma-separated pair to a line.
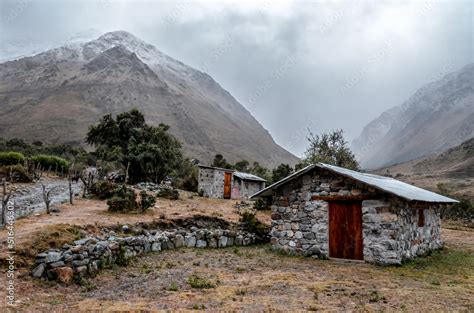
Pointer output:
x,y
216,168
386,184
248,176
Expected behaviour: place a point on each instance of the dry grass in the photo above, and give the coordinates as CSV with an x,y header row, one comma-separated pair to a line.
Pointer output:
x,y
256,279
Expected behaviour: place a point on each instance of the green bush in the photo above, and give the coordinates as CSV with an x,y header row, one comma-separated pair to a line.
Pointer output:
x,y
464,210
146,200
198,282
124,200
168,193
253,225
15,173
104,190
260,204
11,158
50,162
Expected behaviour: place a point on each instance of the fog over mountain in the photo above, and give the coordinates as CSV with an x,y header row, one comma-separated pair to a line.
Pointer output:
x,y
438,116
54,96
292,64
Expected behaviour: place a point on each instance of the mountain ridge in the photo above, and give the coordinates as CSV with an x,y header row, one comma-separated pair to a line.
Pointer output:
x,y
116,72
438,116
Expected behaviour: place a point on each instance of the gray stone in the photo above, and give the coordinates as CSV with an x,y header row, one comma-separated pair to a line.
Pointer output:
x,y
179,241
222,241
53,257
38,271
190,241
212,243
78,263
239,240
201,243
56,264
81,270
156,246
298,235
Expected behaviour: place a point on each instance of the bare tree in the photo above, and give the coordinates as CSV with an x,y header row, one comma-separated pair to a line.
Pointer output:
x,y
47,200
87,183
5,198
71,192
126,173
37,171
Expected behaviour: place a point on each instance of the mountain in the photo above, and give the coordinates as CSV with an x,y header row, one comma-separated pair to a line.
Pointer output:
x,y
453,168
438,116
55,95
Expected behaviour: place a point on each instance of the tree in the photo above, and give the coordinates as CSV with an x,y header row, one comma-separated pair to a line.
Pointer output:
x,y
260,171
149,152
219,161
242,165
330,148
282,171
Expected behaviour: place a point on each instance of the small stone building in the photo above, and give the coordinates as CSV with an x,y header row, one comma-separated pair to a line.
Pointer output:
x,y
332,212
223,183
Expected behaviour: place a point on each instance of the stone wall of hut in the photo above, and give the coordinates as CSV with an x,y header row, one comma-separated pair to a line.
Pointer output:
x,y
390,229
246,188
211,182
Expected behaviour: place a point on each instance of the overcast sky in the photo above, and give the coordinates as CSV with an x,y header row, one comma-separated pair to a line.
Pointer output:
x,y
294,65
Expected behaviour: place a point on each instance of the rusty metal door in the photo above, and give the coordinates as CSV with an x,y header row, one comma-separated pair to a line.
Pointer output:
x,y
227,184
345,230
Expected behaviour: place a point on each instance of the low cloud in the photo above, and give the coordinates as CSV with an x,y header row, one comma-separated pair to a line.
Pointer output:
x,y
293,64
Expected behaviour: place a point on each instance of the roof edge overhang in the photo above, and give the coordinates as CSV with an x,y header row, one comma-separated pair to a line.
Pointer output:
x,y
216,168
267,191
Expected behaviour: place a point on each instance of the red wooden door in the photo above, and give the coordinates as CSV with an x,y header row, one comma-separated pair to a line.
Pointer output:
x,y
227,183
345,230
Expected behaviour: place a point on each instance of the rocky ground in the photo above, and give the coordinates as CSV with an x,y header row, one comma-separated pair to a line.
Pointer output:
x,y
29,197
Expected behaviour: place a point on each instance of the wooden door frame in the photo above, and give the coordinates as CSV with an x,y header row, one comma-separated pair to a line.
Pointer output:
x,y
361,252
229,195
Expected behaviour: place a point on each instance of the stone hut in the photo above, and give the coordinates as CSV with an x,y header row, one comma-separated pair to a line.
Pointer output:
x,y
224,183
327,211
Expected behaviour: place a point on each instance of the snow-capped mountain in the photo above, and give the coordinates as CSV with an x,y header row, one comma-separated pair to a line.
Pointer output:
x,y
57,94
437,117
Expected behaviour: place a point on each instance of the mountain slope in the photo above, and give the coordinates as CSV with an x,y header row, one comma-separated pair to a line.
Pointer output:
x,y
438,116
454,168
56,95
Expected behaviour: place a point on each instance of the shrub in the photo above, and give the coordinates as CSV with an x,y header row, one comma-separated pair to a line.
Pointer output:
x,y
104,190
124,200
253,225
146,200
11,158
173,287
464,210
50,162
198,282
260,204
168,193
15,173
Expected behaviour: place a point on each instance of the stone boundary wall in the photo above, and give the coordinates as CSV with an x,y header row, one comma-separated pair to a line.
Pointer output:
x,y
87,256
